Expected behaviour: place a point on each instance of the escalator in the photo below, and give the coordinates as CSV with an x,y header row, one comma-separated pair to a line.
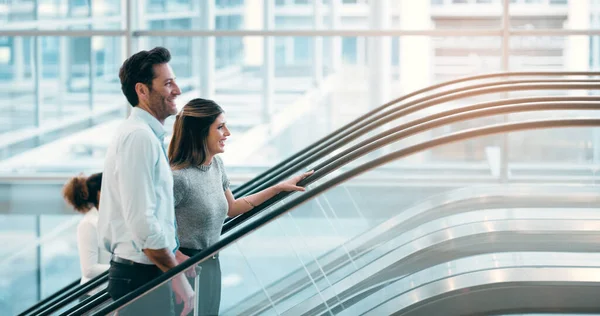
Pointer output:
x,y
467,245
357,140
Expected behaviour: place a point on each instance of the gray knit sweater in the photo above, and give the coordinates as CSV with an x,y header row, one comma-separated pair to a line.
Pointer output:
x,y
200,203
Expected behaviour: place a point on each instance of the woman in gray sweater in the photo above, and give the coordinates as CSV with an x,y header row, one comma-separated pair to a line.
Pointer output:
x,y
201,188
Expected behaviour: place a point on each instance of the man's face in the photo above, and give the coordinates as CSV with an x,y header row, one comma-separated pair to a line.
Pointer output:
x,y
164,92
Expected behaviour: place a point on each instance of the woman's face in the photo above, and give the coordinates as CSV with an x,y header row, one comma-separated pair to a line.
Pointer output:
x,y
217,135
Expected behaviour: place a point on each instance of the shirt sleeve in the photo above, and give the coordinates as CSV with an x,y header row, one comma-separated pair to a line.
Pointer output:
x,y
224,177
180,187
87,244
136,164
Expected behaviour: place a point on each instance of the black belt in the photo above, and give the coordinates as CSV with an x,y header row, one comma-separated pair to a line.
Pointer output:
x,y
128,262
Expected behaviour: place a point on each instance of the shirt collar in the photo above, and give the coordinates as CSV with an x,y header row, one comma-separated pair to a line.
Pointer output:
x,y
157,128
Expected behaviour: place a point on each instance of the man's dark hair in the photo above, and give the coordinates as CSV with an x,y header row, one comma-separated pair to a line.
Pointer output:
x,y
140,68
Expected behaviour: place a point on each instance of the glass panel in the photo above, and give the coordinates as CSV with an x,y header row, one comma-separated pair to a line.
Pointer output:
x,y
17,97
555,14
16,231
15,11
57,14
465,14
60,258
65,78
42,259
333,15
557,53
70,113
539,153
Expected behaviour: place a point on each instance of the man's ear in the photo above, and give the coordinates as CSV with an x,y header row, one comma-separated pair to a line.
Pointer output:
x,y
142,90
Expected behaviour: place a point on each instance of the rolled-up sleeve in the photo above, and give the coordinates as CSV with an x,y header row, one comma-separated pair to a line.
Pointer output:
x,y
137,162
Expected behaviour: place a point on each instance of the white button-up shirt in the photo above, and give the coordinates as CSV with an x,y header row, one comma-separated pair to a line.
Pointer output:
x,y
136,199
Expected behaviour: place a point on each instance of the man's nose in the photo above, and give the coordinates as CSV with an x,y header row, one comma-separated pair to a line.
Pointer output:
x,y
176,91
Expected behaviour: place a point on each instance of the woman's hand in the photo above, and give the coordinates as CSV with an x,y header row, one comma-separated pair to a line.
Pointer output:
x,y
290,184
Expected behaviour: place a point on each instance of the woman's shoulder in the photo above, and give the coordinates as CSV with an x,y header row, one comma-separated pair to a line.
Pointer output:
x,y
181,173
89,221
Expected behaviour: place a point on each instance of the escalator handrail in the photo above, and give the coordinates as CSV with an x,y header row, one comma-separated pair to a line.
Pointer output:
x,y
400,251
407,96
302,198
445,118
245,216
553,85
74,293
67,296
575,267
65,292
365,126
52,297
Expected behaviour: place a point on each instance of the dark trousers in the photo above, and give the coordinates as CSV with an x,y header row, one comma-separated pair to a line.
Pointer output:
x,y
209,292
125,278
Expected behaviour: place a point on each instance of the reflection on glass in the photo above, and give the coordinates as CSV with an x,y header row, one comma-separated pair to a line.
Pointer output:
x,y
555,14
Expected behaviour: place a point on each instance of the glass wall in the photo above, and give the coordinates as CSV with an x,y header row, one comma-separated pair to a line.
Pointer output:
x,y
62,95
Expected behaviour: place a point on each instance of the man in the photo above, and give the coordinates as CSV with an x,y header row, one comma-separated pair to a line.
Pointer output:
x,y
136,217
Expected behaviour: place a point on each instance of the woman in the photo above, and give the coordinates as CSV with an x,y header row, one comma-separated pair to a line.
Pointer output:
x,y
201,188
83,194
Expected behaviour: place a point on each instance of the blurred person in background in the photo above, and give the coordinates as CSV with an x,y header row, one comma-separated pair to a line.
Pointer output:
x,y
83,194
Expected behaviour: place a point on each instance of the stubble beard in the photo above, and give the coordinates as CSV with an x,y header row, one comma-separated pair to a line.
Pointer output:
x,y
160,105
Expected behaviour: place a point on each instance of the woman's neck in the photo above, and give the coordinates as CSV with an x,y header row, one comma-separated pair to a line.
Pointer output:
x,y
208,160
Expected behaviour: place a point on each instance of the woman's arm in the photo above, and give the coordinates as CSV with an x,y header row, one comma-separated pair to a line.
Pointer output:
x,y
244,204
87,244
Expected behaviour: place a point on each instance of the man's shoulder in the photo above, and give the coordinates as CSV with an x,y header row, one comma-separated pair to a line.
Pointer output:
x,y
132,126
132,129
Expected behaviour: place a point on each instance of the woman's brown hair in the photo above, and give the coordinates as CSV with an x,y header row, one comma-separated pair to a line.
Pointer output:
x,y
188,146
82,192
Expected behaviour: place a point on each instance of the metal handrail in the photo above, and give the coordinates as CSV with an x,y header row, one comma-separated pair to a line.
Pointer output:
x,y
277,168
572,278
410,107
454,137
406,109
481,233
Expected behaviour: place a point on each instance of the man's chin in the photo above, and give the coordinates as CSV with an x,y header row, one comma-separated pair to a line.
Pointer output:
x,y
172,109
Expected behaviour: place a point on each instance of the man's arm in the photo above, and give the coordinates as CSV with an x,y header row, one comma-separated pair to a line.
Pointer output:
x,y
163,258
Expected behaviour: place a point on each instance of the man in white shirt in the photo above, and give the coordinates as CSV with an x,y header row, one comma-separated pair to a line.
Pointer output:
x,y
136,219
